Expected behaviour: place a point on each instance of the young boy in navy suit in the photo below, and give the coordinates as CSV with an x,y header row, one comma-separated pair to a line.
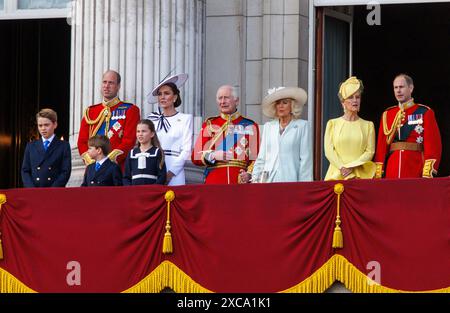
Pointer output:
x,y
103,172
47,162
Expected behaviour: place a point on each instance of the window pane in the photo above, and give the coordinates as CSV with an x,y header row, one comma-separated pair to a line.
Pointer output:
x,y
42,4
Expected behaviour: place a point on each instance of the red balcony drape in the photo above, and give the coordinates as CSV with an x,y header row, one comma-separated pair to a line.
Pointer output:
x,y
248,238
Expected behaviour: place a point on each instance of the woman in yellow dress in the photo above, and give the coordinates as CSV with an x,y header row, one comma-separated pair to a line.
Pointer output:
x,y
350,140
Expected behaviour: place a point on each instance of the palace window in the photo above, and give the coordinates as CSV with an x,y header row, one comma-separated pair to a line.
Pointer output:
x,y
42,4
34,9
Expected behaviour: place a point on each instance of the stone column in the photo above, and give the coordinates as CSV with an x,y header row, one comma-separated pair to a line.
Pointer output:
x,y
255,45
285,44
144,40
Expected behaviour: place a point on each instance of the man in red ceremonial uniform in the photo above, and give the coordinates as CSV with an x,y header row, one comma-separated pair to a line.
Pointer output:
x,y
409,142
112,118
228,143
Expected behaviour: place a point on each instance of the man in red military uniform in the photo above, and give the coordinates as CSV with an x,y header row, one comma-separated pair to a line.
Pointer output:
x,y
409,142
228,143
112,118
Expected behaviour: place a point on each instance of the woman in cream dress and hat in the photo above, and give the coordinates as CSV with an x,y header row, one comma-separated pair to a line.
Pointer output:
x,y
349,140
285,154
174,129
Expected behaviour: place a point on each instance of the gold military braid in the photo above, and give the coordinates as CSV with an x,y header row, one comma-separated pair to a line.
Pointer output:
x,y
97,123
105,114
396,124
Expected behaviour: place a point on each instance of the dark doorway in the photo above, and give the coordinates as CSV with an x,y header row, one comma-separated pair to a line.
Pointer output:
x,y
412,39
335,70
35,63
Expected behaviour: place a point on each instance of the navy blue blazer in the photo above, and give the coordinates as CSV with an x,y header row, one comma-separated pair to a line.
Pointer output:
x,y
49,168
109,174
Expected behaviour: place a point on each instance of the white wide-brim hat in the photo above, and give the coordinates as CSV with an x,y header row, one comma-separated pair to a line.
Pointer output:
x,y
298,95
178,80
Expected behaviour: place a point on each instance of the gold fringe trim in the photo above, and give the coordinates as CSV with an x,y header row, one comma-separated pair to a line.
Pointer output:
x,y
318,282
10,284
167,275
338,268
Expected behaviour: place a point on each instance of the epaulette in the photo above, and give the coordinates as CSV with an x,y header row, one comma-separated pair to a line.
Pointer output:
x,y
423,105
392,107
124,106
210,119
250,121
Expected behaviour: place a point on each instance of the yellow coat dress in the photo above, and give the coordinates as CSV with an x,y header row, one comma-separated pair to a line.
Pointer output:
x,y
350,144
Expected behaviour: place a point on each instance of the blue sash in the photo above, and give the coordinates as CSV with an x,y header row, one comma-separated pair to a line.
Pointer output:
x,y
406,129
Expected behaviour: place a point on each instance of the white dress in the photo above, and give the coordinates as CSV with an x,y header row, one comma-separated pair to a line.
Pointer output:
x,y
286,157
176,141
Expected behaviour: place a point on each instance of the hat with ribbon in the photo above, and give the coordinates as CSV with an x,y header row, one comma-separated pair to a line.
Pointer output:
x,y
298,95
178,80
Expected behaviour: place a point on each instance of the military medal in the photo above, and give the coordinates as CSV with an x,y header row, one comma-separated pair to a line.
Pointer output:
x,y
117,126
419,129
415,119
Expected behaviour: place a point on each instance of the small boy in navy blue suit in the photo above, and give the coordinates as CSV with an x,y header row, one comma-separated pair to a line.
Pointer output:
x,y
103,172
47,162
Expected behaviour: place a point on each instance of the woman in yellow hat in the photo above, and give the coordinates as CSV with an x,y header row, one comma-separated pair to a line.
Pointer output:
x,y
350,140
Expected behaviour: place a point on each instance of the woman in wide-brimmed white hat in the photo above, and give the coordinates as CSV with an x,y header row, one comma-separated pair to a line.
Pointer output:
x,y
349,140
174,129
285,154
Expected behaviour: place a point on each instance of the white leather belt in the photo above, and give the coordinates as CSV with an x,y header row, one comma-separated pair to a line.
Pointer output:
x,y
144,176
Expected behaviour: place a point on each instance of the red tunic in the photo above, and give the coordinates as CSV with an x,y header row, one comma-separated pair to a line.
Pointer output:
x,y
416,127
117,120
233,133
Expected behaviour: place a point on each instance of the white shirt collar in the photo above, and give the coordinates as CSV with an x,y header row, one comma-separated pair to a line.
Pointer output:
x,y
102,160
49,139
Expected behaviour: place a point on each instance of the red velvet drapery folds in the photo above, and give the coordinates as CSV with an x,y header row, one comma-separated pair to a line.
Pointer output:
x,y
249,238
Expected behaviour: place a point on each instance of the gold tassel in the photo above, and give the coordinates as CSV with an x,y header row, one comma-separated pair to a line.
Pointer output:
x,y
338,240
167,243
2,201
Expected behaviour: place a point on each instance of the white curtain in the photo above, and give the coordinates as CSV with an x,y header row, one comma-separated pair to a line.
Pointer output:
x,y
42,4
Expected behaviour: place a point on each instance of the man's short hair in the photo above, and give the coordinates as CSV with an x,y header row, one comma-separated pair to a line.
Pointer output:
x,y
47,113
118,77
100,141
234,90
407,78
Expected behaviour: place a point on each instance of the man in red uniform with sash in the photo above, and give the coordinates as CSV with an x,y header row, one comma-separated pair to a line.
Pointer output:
x,y
112,118
409,142
228,143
